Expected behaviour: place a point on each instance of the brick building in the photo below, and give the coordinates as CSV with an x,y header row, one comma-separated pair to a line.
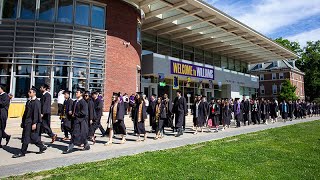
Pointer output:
x,y
273,74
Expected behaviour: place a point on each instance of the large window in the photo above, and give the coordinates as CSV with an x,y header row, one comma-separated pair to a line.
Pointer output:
x,y
274,89
28,9
97,17
82,14
46,11
22,87
65,11
10,9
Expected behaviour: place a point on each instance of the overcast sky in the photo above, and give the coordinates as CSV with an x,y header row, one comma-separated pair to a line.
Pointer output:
x,y
296,20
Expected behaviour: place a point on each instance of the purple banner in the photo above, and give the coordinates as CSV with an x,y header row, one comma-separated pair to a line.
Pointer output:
x,y
191,70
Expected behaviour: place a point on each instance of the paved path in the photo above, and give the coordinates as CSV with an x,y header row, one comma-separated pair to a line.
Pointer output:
x,y
54,158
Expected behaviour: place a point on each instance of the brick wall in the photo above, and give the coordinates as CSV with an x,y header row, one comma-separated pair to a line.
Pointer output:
x,y
121,60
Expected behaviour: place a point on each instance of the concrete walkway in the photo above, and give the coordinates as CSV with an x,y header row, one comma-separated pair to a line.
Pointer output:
x,y
54,158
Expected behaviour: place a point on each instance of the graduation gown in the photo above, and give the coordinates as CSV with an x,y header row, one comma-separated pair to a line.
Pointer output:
x,y
151,111
180,110
91,111
67,120
80,124
97,110
31,115
140,126
169,115
199,120
226,115
46,111
4,107
118,126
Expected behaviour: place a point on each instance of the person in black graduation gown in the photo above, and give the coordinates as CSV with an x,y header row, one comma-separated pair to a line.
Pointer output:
x,y
291,110
238,112
66,116
31,124
263,111
180,111
199,114
98,107
139,116
91,112
4,107
151,110
255,113
227,113
115,122
160,116
46,112
246,111
169,115
79,135
273,111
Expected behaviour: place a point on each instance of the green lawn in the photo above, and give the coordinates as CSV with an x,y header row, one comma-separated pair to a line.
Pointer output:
x,y
291,152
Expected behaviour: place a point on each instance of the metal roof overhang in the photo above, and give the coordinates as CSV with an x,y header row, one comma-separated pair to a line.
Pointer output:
x,y
196,23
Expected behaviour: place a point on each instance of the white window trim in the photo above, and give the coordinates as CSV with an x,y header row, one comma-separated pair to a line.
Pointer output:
x,y
274,76
281,75
276,89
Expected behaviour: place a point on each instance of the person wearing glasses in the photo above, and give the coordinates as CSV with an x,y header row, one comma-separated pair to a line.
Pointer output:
x,y
79,135
31,124
46,112
66,116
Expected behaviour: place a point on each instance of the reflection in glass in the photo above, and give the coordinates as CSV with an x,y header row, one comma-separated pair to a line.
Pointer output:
x,y
5,80
60,83
10,9
97,17
5,69
28,9
65,11
42,70
82,14
22,87
80,72
23,69
46,11
61,71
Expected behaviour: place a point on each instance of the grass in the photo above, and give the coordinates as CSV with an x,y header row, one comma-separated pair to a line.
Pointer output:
x,y
291,152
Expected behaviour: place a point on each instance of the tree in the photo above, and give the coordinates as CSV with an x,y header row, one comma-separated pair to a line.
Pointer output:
x,y
288,91
309,62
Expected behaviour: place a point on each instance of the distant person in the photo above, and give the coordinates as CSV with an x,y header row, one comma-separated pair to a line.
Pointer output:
x,y
160,116
91,112
199,114
246,110
237,109
180,110
169,115
60,101
284,111
4,107
115,121
46,112
126,103
31,124
139,115
151,111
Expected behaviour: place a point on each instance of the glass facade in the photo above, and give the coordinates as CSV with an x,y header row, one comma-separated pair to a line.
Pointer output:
x,y
64,48
151,43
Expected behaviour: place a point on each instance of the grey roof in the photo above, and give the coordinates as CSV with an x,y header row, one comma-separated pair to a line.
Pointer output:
x,y
275,65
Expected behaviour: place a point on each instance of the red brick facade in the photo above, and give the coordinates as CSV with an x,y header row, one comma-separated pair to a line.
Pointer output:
x,y
296,79
122,58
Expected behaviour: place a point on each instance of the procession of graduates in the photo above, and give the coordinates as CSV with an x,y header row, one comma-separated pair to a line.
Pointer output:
x,y
80,118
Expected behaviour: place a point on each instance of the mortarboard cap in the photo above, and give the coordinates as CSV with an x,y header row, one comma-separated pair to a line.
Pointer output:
x,y
81,90
179,91
116,94
204,96
140,93
86,92
34,89
154,95
66,92
94,92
